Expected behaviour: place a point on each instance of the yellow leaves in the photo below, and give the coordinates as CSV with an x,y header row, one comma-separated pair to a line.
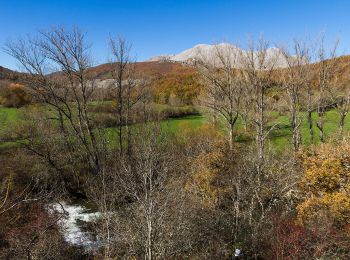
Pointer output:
x,y
184,87
15,86
323,176
202,180
205,166
339,205
15,95
114,103
334,207
326,186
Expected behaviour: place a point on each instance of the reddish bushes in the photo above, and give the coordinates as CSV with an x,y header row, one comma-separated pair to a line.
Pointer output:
x,y
288,240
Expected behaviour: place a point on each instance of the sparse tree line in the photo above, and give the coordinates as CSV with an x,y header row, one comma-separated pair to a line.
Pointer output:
x,y
247,84
196,193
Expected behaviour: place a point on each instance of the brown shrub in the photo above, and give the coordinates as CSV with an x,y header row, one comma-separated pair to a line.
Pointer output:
x,y
15,95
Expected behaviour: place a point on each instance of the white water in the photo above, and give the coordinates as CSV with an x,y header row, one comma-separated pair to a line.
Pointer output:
x,y
72,231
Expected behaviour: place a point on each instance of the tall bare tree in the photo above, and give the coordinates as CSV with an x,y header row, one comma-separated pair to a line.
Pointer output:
x,y
57,63
125,83
139,200
295,79
224,87
257,68
340,97
342,102
325,71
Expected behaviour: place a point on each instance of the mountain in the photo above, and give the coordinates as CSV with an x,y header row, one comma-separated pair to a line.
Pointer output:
x,y
209,53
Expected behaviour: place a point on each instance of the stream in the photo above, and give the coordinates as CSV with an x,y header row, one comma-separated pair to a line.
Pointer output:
x,y
74,222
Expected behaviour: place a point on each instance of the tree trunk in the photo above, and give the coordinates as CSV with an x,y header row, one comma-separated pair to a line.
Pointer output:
x,y
149,240
120,115
231,137
232,121
295,138
120,137
260,138
341,124
320,125
311,130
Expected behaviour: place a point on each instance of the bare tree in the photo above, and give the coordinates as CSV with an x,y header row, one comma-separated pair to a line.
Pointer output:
x,y
325,71
296,78
57,63
340,97
120,49
129,89
139,201
310,109
257,68
224,88
255,198
342,106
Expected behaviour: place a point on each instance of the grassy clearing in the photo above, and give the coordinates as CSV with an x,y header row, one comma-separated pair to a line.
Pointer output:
x,y
176,124
8,117
173,125
279,138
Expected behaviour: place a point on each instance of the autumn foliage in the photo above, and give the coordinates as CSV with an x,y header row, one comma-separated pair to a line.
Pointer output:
x,y
14,95
205,167
326,186
177,89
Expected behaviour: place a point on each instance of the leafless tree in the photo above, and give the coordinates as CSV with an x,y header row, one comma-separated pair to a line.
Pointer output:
x,y
295,79
139,202
325,71
255,198
342,106
257,68
310,109
223,85
120,49
340,97
129,87
57,63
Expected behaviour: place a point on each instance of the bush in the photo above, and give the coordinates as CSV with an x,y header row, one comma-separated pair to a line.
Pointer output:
x,y
15,95
176,112
105,120
105,107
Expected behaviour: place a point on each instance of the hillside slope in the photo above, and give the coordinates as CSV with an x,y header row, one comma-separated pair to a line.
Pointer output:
x,y
147,68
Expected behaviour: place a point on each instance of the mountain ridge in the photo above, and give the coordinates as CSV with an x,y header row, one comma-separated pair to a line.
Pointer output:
x,y
208,53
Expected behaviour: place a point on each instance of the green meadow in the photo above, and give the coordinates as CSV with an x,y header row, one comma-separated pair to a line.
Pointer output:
x,y
279,137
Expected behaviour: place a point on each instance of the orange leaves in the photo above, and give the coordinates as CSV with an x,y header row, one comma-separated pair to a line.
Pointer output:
x,y
205,164
204,175
184,89
15,86
15,95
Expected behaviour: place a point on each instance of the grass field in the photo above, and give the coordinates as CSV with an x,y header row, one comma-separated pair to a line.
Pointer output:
x,y
8,117
279,137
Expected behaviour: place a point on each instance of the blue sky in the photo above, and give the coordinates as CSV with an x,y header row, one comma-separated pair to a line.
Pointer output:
x,y
163,27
